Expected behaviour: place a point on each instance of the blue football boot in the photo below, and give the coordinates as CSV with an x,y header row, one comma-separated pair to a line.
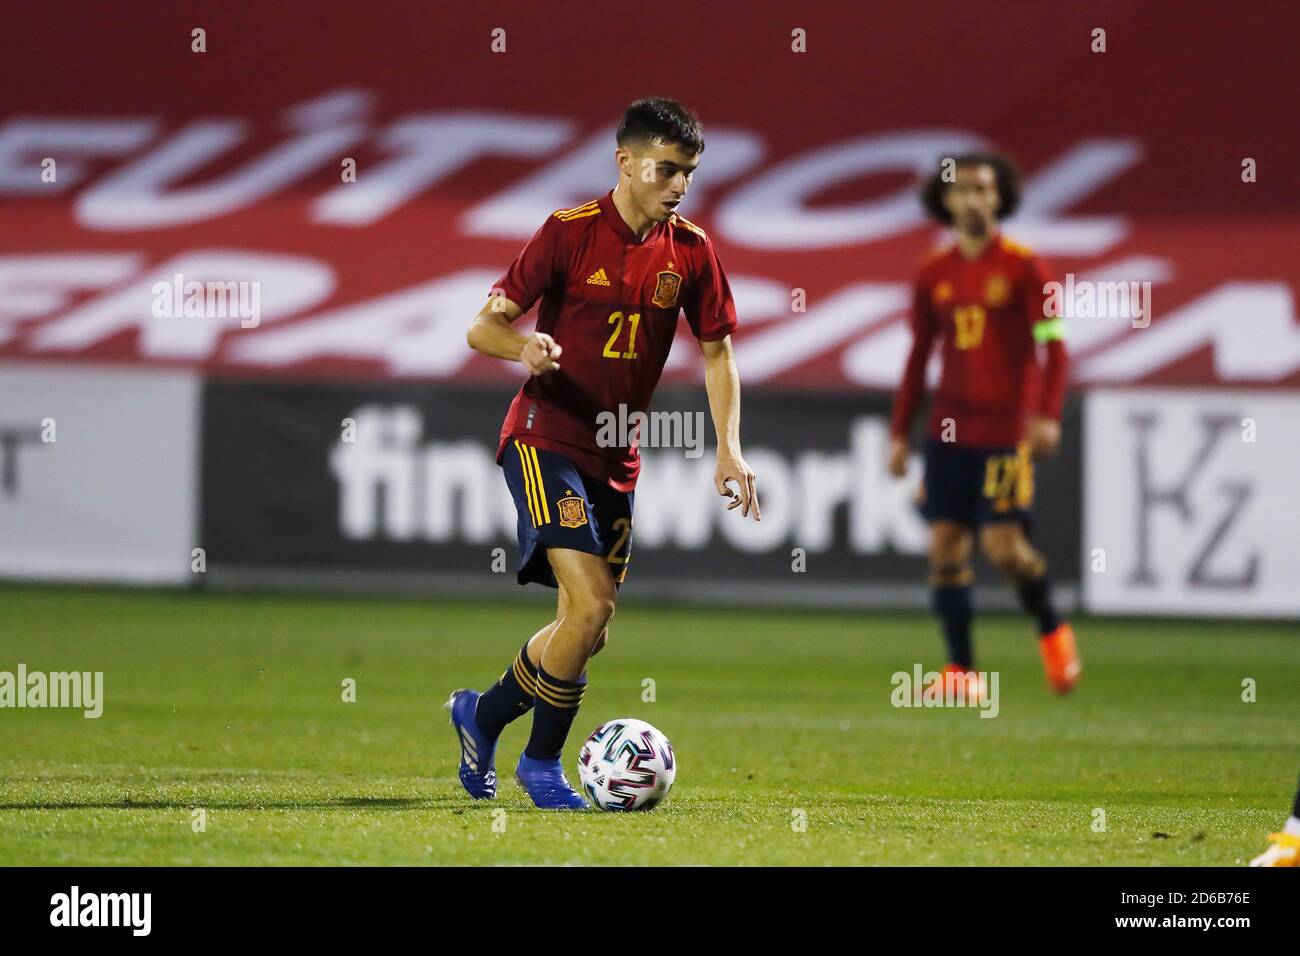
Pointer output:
x,y
545,783
478,774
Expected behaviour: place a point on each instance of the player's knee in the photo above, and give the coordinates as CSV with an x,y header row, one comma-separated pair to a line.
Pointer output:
x,y
1027,565
1001,557
601,640
948,546
943,547
944,558
1006,555
953,574
591,611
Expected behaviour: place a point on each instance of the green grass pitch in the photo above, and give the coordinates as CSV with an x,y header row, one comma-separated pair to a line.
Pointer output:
x,y
233,704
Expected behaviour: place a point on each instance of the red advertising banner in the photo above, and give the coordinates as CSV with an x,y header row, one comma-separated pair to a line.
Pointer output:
x,y
352,178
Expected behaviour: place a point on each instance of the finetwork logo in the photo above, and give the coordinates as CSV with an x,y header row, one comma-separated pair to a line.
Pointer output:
x,y
393,485
103,909
78,690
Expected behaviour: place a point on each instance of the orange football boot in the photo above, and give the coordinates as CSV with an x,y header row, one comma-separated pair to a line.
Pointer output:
x,y
1060,658
1285,851
974,691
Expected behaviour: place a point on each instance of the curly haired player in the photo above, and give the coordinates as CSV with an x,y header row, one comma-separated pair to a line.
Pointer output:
x,y
983,297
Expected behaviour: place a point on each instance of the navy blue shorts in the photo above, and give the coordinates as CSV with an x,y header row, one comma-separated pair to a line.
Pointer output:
x,y
560,507
977,486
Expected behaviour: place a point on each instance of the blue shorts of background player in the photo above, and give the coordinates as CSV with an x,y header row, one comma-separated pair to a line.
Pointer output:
x,y
560,507
977,486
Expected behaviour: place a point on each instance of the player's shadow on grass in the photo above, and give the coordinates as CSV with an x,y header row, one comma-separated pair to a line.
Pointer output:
x,y
454,801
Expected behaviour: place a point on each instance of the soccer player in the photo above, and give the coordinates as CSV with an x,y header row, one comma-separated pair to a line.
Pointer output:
x,y
1285,850
995,409
612,276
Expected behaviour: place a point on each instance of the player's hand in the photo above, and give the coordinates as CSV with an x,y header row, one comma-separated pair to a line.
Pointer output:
x,y
732,468
1044,435
899,452
541,354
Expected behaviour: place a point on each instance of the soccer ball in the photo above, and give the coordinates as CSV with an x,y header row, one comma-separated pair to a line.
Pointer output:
x,y
626,765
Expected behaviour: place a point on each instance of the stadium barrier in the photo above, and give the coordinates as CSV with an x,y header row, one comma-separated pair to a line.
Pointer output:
x,y
98,473
1160,500
1190,502
395,485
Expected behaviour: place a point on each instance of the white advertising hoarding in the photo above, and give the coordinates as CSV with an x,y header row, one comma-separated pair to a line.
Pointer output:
x,y
1192,502
98,471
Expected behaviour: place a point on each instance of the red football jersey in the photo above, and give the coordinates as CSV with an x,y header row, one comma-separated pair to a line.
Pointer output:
x,y
990,314
611,303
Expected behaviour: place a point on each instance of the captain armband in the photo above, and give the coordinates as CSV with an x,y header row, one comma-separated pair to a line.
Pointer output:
x,y
1049,330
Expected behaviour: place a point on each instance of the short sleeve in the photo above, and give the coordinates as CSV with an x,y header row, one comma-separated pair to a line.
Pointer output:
x,y
535,268
709,307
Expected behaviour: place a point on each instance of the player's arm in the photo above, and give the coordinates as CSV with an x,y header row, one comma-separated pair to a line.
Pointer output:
x,y
912,386
1048,328
492,333
534,271
1044,429
722,383
711,313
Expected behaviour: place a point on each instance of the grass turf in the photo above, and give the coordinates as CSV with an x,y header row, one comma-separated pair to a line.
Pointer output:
x,y
232,704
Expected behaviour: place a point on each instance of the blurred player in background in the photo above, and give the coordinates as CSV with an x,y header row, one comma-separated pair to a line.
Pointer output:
x,y
983,297
612,276
1285,850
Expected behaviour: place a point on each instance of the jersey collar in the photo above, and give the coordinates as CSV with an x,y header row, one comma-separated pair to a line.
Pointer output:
x,y
990,247
615,220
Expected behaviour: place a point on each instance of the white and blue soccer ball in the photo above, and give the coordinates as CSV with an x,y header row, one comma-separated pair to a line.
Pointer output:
x,y
626,764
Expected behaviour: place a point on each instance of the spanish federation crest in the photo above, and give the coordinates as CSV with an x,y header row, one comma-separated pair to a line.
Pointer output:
x,y
666,289
998,292
573,512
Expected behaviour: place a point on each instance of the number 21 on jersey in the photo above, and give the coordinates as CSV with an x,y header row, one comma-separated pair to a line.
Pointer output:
x,y
611,351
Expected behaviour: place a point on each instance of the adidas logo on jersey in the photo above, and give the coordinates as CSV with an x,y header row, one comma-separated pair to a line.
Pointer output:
x,y
598,278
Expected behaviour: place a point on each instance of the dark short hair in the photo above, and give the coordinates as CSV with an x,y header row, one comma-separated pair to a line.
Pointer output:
x,y
667,121
1004,169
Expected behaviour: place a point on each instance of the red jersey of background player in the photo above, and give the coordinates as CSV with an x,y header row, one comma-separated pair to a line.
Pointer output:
x,y
988,311
611,302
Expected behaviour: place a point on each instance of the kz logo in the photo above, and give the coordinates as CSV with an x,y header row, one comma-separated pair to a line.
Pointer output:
x,y
1232,495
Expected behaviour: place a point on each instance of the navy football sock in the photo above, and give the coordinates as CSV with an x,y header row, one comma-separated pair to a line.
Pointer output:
x,y
952,599
510,697
557,704
1036,598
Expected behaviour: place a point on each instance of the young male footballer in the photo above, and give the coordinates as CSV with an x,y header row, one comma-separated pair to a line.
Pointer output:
x,y
983,297
612,276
